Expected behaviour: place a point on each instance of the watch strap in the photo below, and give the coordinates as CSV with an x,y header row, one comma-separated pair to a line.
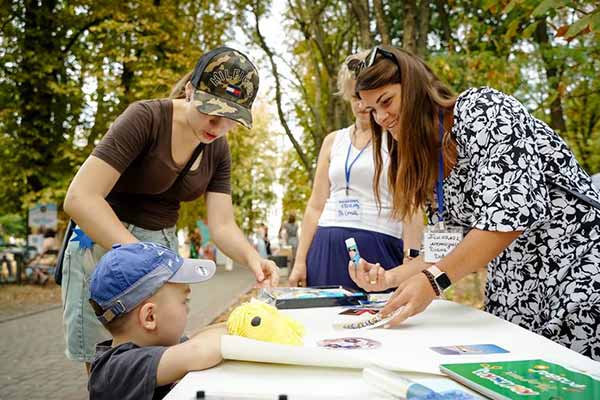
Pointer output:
x,y
440,277
432,281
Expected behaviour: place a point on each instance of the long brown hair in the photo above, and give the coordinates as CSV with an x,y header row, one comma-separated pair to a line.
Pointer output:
x,y
178,91
413,168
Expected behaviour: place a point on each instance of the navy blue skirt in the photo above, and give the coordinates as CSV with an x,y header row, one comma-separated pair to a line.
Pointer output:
x,y
327,259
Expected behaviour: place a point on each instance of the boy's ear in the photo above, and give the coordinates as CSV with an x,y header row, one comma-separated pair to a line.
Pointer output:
x,y
147,316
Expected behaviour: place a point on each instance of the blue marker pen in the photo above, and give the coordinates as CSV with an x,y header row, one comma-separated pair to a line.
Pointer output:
x,y
353,251
394,383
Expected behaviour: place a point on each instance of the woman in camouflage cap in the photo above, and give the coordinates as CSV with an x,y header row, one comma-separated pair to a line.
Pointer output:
x,y
131,186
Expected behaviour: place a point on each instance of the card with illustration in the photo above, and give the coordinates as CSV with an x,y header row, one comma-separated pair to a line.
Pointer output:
x,y
469,349
359,311
349,343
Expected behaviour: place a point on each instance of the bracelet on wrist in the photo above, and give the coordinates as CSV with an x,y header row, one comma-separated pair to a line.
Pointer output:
x,y
432,282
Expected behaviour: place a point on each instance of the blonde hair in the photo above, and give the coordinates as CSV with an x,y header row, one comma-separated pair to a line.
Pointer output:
x,y
414,156
346,78
178,91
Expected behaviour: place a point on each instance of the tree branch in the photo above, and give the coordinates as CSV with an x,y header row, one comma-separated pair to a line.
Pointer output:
x,y
84,28
360,8
382,26
263,44
299,85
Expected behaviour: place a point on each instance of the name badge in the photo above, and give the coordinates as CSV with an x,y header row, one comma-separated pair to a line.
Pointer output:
x,y
348,209
437,242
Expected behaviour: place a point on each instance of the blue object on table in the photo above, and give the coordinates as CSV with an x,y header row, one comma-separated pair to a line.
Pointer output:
x,y
448,395
400,386
416,391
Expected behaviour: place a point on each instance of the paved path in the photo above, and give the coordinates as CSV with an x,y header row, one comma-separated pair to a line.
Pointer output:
x,y
32,362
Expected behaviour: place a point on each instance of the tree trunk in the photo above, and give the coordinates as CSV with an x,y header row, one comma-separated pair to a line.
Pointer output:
x,y
382,25
42,110
553,75
409,35
424,16
445,21
360,9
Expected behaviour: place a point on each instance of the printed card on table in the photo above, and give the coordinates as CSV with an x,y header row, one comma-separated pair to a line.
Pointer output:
x,y
469,349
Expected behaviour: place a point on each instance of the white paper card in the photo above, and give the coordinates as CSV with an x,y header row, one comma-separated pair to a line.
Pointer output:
x,y
438,243
348,209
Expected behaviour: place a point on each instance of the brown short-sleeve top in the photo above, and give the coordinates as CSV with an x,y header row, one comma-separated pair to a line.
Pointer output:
x,y
138,145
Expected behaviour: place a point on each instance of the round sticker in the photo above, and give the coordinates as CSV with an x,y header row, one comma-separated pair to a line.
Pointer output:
x,y
349,343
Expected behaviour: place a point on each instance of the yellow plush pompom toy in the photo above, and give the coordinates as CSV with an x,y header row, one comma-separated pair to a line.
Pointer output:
x,y
261,321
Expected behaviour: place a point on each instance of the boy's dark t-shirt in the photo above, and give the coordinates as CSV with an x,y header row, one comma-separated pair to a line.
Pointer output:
x,y
126,372
138,146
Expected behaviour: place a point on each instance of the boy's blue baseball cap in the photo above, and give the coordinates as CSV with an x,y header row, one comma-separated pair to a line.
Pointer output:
x,y
131,273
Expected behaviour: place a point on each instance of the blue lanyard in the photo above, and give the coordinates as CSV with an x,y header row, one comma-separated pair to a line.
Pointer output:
x,y
348,169
439,191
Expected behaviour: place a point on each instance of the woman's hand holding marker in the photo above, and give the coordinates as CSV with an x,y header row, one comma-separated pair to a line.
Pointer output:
x,y
371,277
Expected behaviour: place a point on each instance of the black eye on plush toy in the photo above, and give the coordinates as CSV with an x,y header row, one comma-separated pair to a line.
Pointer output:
x,y
255,321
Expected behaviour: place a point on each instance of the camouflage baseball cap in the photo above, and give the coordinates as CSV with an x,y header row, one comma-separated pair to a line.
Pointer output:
x,y
225,83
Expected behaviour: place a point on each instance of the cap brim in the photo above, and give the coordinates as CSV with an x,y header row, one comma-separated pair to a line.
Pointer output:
x,y
194,271
213,105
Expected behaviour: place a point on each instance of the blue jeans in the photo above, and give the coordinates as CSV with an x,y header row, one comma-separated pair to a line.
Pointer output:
x,y
82,329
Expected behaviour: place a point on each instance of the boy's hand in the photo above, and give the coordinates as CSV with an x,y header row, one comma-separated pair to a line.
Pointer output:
x,y
266,273
201,351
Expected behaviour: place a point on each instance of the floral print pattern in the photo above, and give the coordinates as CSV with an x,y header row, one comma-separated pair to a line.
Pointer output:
x,y
548,279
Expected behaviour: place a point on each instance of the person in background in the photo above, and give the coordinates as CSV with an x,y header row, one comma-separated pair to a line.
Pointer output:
x,y
501,189
290,232
266,239
345,203
195,244
130,188
49,243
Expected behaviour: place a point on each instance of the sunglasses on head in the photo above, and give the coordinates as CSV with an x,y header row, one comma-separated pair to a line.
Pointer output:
x,y
356,66
372,57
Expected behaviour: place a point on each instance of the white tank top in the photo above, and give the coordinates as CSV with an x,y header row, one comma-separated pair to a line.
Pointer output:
x,y
361,187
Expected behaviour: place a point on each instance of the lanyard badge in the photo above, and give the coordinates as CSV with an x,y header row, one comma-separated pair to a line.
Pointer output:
x,y
348,168
439,240
348,209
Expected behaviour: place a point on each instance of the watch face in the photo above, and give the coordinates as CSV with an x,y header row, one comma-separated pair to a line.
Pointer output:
x,y
443,281
413,253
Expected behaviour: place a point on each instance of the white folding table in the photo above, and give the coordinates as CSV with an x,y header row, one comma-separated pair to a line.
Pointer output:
x,y
405,348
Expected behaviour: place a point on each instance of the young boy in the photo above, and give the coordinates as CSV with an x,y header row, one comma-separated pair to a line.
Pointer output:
x,y
140,293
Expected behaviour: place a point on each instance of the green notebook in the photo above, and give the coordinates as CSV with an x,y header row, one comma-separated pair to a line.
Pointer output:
x,y
526,379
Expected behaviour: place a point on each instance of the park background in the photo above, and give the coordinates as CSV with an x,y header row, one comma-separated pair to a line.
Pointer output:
x,y
69,68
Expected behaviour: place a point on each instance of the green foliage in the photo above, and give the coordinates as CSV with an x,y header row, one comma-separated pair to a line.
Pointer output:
x,y
253,158
253,168
12,225
66,78
296,184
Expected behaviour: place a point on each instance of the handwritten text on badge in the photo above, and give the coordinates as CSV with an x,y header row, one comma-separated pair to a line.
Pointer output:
x,y
438,244
348,209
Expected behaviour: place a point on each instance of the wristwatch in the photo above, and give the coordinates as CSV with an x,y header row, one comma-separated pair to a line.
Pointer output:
x,y
411,253
440,277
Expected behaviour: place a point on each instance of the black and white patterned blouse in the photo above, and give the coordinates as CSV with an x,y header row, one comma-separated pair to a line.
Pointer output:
x,y
548,279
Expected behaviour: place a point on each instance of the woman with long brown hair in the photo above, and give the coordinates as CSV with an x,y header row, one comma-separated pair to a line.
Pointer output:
x,y
345,203
500,189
